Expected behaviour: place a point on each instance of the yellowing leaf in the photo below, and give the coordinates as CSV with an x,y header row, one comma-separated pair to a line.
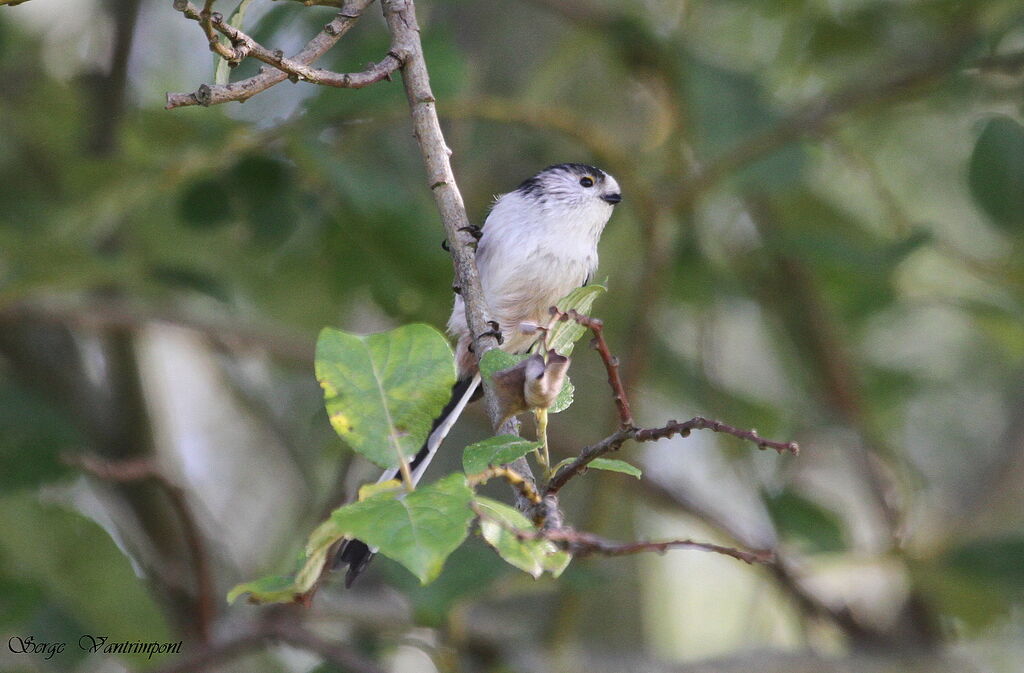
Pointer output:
x,y
499,525
383,391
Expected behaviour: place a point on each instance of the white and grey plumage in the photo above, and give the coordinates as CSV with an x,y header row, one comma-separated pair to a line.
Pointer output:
x,y
539,243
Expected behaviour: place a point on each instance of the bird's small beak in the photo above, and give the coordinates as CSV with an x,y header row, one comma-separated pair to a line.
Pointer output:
x,y
611,198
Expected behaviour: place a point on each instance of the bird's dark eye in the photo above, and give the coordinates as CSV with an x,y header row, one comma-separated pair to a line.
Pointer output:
x,y
587,181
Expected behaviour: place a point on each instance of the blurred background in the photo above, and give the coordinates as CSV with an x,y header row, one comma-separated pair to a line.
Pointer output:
x,y
822,237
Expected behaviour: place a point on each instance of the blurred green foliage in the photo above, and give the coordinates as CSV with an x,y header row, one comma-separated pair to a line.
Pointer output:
x,y
858,287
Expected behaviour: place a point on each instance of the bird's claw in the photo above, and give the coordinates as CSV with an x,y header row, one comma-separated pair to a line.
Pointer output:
x,y
473,230
495,332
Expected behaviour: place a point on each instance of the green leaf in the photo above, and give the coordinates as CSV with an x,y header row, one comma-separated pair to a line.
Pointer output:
x,y
383,391
564,398
286,588
996,173
564,335
496,360
419,531
272,589
797,517
237,19
370,490
562,463
614,465
495,451
498,526
264,186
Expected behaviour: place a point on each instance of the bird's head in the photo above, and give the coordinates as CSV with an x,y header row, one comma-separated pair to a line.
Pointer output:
x,y
573,186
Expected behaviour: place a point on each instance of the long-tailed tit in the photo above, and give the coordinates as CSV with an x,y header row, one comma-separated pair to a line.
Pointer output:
x,y
538,243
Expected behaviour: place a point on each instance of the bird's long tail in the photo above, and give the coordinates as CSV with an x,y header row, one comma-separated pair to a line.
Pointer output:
x,y
356,554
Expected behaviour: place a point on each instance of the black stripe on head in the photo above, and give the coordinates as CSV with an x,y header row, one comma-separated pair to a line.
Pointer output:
x,y
534,186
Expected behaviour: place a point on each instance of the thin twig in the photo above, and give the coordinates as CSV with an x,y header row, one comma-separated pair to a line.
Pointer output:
x,y
700,423
301,71
144,468
247,88
204,19
580,544
615,441
611,363
586,544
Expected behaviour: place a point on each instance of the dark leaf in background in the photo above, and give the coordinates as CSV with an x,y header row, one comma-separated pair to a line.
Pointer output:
x,y
183,278
977,582
259,176
998,560
729,107
853,263
263,187
205,204
33,436
996,174
806,522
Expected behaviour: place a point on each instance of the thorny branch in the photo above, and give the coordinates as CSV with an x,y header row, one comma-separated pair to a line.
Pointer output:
x,y
144,468
611,363
615,441
627,431
587,544
580,544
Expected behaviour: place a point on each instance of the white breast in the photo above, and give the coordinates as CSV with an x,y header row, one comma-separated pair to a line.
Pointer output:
x,y
530,256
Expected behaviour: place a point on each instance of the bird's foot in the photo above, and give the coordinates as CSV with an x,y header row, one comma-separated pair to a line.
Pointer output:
x,y
495,332
474,231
